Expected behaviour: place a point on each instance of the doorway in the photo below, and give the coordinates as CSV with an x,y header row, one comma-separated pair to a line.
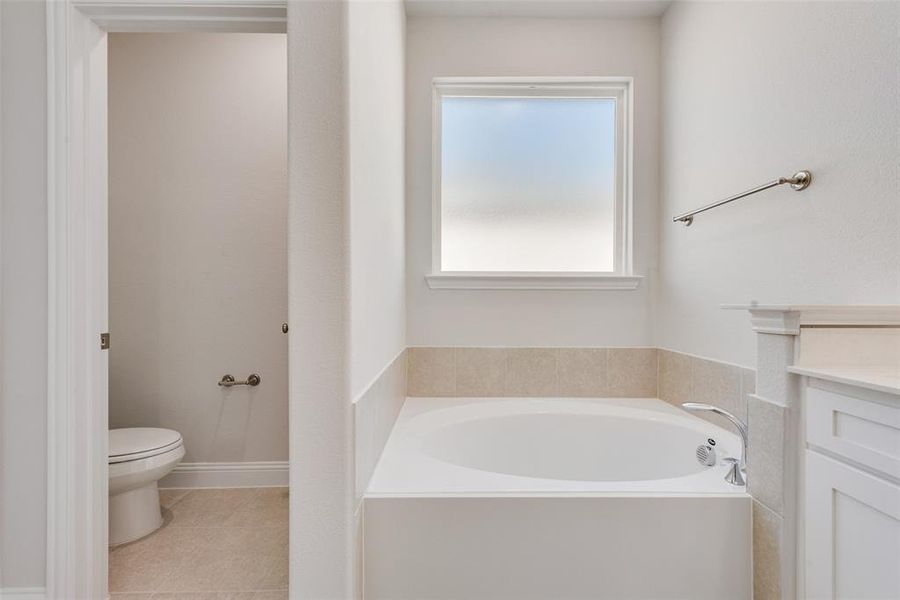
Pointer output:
x,y
197,134
77,160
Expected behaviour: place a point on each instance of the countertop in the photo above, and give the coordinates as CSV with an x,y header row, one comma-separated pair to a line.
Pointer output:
x,y
885,378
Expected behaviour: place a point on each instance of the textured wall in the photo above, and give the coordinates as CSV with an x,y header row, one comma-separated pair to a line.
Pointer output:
x,y
757,90
752,90
321,468
198,239
375,55
23,306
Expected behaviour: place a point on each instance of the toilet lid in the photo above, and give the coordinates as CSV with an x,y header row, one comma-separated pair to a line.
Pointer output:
x,y
140,442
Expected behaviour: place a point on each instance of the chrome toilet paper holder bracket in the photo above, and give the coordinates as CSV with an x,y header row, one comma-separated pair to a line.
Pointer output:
x,y
228,380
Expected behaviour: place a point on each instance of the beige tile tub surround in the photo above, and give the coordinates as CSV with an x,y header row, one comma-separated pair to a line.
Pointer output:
x,y
765,464
480,371
431,372
720,385
767,527
686,378
674,376
216,544
534,372
632,372
583,371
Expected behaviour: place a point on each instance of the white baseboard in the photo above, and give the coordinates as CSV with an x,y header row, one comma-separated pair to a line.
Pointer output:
x,y
221,475
23,593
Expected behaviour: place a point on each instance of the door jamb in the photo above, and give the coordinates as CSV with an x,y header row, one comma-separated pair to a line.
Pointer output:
x,y
77,480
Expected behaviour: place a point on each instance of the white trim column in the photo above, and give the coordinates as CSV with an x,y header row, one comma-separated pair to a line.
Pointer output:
x,y
777,433
772,472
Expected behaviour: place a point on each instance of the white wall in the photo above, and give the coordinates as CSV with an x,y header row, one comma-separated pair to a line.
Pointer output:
x,y
376,44
23,281
817,78
513,46
346,267
198,239
321,428
321,504
756,90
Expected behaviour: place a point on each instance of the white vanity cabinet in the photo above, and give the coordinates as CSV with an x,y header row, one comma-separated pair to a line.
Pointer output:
x,y
851,492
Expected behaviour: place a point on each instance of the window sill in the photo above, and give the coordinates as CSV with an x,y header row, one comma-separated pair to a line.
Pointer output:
x,y
532,281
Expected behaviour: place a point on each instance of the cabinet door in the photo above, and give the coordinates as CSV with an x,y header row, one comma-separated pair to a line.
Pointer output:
x,y
852,532
865,432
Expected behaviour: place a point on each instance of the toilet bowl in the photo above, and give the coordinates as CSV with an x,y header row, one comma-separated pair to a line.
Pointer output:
x,y
138,458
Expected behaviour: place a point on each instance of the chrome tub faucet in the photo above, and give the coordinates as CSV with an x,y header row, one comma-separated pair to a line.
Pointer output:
x,y
737,474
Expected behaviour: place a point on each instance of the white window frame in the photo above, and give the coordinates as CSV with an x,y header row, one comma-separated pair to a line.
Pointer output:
x,y
616,88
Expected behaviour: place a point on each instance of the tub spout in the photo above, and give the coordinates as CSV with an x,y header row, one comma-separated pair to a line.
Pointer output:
x,y
737,474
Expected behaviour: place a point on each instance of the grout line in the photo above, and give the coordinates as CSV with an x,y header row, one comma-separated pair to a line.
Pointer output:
x,y
172,524
556,383
706,358
153,593
555,347
767,507
225,487
455,372
210,591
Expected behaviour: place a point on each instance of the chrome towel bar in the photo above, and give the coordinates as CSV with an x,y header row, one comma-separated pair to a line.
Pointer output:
x,y
228,380
800,181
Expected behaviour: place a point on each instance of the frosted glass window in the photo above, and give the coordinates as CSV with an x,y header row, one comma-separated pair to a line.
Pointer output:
x,y
528,184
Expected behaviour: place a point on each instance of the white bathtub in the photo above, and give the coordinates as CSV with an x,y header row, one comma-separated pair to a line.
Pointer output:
x,y
522,445
553,498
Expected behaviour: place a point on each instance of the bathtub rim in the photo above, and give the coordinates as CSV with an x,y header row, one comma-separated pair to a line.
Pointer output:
x,y
426,482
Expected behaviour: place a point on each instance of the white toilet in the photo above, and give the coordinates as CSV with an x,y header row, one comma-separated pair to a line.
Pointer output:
x,y
138,458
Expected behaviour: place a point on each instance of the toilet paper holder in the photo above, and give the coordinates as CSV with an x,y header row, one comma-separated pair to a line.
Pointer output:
x,y
228,380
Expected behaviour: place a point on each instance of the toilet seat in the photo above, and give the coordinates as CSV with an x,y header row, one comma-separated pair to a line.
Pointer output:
x,y
138,458
136,443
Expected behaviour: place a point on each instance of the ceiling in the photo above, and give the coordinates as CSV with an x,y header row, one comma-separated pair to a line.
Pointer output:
x,y
537,8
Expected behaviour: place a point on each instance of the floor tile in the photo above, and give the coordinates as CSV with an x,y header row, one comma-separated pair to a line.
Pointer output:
x,y
141,566
204,596
267,508
209,507
277,577
229,558
168,497
275,595
222,544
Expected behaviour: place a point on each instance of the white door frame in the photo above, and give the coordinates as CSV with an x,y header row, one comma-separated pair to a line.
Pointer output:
x,y
77,480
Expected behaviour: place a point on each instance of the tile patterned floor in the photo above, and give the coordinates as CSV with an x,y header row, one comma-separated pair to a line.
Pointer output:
x,y
215,544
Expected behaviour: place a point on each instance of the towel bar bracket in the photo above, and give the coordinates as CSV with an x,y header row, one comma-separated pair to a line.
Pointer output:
x,y
800,180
